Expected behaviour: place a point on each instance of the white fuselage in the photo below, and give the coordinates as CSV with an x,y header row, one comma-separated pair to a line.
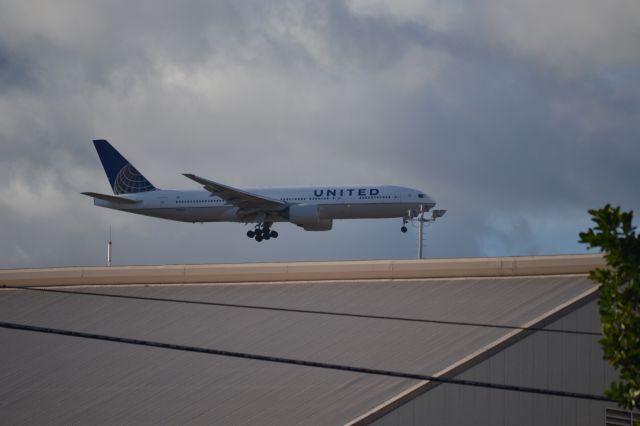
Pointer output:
x,y
352,202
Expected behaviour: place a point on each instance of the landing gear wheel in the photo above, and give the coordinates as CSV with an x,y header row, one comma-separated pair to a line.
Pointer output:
x,y
262,232
403,229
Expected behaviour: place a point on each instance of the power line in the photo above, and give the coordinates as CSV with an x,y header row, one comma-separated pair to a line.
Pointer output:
x,y
316,312
314,364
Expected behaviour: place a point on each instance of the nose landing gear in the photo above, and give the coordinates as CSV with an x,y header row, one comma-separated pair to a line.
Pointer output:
x,y
404,225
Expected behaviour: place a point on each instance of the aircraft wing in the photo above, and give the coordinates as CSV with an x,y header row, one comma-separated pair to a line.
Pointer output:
x,y
242,199
111,198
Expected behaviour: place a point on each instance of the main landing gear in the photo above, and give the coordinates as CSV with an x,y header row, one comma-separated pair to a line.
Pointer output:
x,y
262,232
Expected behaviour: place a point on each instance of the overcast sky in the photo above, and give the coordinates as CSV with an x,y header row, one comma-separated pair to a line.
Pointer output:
x,y
515,116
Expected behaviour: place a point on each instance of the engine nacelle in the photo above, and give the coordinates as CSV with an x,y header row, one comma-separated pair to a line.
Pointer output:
x,y
308,217
323,225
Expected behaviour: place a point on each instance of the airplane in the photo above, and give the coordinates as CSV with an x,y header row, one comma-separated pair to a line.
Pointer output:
x,y
311,208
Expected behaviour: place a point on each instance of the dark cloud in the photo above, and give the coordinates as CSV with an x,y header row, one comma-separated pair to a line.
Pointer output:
x,y
16,71
516,127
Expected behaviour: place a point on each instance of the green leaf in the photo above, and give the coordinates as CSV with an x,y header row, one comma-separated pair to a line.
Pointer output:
x,y
619,302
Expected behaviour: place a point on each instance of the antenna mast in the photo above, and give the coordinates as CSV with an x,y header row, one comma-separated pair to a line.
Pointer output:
x,y
109,248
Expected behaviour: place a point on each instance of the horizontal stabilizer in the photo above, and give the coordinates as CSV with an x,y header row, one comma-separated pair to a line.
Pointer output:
x,y
111,198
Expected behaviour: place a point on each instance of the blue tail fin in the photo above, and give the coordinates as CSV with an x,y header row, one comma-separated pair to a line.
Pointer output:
x,y
123,177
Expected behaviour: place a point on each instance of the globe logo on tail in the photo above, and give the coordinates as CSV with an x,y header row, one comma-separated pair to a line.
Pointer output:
x,y
130,181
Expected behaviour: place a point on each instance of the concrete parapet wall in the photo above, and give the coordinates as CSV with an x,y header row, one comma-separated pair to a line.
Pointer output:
x,y
304,271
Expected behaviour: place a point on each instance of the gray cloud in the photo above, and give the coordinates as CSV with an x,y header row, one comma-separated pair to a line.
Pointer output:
x,y
517,118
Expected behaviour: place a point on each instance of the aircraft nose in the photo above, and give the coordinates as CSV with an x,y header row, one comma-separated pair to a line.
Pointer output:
x,y
429,203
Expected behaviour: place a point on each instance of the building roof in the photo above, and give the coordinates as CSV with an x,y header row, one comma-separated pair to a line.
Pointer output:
x,y
65,379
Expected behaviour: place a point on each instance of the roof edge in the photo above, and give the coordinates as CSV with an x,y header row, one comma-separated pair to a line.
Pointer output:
x,y
305,271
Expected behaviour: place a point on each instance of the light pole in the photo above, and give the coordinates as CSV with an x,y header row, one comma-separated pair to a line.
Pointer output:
x,y
435,214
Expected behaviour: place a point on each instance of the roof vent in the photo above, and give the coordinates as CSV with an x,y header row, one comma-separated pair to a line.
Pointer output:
x,y
618,417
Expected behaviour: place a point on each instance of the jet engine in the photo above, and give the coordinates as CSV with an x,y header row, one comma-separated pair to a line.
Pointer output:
x,y
308,217
323,225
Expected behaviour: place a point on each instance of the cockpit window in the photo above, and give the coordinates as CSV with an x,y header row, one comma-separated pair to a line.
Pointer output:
x,y
420,195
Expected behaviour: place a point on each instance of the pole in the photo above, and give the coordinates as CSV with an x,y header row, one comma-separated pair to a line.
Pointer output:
x,y
109,249
420,232
435,214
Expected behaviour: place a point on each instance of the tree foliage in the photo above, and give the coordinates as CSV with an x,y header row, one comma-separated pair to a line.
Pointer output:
x,y
619,299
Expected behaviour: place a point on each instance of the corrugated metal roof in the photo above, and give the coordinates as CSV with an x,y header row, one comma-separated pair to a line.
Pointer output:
x,y
71,380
